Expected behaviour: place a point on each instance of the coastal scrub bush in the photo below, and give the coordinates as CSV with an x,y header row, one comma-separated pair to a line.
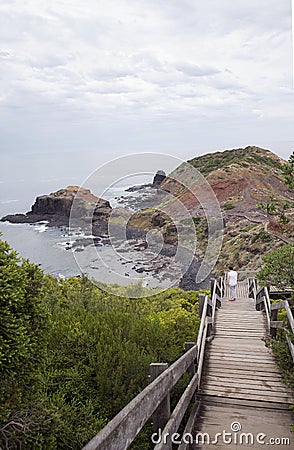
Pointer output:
x,y
23,322
72,354
278,268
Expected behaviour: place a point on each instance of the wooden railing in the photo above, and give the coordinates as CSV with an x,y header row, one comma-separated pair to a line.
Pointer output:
x,y
154,400
263,303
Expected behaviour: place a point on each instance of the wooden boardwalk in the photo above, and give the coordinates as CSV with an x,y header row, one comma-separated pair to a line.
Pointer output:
x,y
242,385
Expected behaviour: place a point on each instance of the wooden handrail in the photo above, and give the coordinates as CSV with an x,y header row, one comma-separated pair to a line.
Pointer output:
x,y
120,432
262,301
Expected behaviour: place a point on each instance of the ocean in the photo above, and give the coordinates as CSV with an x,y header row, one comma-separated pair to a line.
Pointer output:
x,y
52,247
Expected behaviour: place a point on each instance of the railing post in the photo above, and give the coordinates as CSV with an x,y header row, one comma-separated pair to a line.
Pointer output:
x,y
223,287
201,300
274,317
162,414
191,370
212,283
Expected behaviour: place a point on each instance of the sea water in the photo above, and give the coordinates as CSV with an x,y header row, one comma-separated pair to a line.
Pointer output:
x,y
52,247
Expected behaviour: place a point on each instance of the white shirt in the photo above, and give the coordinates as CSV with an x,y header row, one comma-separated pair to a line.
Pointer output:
x,y
232,276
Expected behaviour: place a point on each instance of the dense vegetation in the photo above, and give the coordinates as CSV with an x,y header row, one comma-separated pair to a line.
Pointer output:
x,y
241,156
278,270
72,355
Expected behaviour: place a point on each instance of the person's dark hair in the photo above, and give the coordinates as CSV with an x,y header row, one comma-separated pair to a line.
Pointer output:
x,y
231,267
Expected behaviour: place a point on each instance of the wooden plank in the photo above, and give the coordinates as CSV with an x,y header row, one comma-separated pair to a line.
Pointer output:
x,y
254,388
243,360
229,402
250,339
259,377
258,344
238,347
226,365
216,375
262,376
242,326
243,323
248,394
253,385
223,333
261,382
242,333
243,355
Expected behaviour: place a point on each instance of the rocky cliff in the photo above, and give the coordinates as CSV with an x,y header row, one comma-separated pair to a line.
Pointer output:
x,y
256,204
56,207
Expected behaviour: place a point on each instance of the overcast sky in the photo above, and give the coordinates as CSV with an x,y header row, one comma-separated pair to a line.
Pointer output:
x,y
117,76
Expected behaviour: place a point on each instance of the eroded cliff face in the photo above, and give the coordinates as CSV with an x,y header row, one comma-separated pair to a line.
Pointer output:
x,y
244,182
57,206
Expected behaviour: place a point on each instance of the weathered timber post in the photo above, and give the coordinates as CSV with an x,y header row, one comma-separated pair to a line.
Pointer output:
x,y
212,283
223,287
191,369
201,301
274,317
219,286
250,288
162,414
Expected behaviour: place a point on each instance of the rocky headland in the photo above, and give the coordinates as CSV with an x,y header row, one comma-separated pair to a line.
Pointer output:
x,y
257,206
55,208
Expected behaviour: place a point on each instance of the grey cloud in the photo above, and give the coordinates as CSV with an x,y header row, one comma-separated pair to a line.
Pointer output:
x,y
4,54
147,66
107,74
194,70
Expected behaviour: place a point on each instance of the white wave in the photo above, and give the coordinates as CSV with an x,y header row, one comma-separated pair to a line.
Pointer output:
x,y
6,202
65,245
41,227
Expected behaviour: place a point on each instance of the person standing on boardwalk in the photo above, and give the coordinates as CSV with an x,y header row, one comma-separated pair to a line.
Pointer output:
x,y
232,282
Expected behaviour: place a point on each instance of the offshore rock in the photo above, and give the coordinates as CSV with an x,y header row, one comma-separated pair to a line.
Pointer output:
x,y
159,178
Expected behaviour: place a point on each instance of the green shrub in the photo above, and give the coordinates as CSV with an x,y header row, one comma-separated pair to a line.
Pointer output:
x,y
74,355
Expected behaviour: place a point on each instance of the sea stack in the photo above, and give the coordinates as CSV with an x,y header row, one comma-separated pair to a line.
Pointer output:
x,y
158,178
